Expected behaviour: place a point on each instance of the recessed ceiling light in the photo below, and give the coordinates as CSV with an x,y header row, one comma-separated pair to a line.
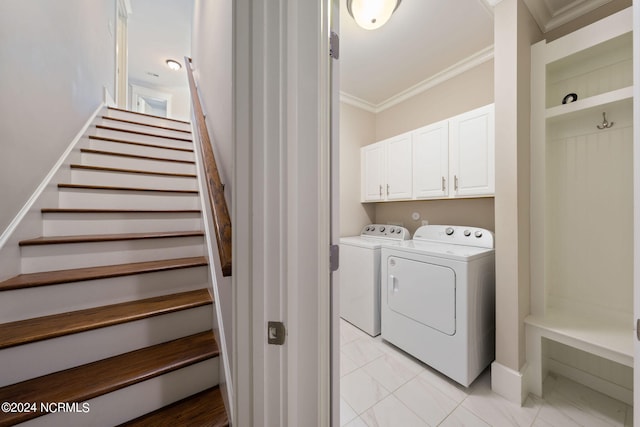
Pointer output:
x,y
173,64
372,14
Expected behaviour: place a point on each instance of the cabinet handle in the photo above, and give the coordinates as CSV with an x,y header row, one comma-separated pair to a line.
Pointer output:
x,y
380,186
387,189
455,182
443,183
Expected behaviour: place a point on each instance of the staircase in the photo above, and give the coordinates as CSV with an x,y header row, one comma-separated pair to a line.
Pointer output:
x,y
111,321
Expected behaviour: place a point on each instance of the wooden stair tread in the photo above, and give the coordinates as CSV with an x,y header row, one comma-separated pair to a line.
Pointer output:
x,y
136,132
132,122
73,210
135,156
140,144
85,382
56,325
149,115
116,188
204,409
93,273
136,171
92,238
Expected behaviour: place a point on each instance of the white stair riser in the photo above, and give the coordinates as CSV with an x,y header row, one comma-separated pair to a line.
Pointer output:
x,y
136,163
146,129
125,179
119,147
128,136
26,361
79,255
116,199
157,121
64,224
41,301
117,407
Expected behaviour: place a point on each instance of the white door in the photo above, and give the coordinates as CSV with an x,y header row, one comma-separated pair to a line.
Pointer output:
x,y
398,168
431,161
636,213
473,152
372,172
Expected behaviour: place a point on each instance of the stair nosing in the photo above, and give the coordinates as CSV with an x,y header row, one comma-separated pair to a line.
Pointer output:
x,y
149,115
115,188
114,237
143,133
62,324
116,119
139,365
134,171
134,156
74,275
143,144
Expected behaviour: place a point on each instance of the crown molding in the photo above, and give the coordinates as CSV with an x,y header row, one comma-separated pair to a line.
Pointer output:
x,y
549,19
456,69
357,102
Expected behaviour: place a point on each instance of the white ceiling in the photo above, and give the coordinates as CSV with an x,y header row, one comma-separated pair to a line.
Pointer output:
x,y
159,30
422,38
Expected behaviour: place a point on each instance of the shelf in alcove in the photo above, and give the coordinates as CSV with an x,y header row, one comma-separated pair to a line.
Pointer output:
x,y
606,335
586,104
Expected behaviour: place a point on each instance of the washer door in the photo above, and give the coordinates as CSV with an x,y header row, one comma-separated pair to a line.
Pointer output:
x,y
423,292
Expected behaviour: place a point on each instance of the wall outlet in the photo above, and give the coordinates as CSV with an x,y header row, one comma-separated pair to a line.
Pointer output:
x,y
425,222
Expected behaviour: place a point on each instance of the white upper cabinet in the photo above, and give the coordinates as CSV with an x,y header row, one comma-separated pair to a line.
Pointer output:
x,y
372,166
472,144
431,161
386,170
398,168
451,158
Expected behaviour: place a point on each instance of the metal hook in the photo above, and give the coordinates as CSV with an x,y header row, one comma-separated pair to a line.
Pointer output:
x,y
605,124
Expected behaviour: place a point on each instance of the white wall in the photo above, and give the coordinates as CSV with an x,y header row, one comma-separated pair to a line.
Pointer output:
x,y
212,58
357,129
55,59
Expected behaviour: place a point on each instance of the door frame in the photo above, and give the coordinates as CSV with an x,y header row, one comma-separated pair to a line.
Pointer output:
x,y
281,212
123,11
636,205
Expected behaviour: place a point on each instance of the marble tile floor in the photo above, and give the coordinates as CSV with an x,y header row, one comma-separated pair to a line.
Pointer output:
x,y
381,386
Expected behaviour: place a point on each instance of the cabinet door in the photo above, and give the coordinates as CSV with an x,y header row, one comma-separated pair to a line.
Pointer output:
x,y
372,172
431,161
399,168
473,153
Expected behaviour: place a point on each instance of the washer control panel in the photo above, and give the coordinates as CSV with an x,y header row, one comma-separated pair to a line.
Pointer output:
x,y
455,234
388,231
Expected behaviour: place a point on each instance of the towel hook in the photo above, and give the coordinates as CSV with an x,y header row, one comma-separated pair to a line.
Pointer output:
x,y
605,124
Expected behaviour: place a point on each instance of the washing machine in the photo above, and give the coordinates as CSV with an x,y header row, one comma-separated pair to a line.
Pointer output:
x,y
360,274
438,298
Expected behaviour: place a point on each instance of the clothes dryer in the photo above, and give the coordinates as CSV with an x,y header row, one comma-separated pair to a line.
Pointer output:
x,y
438,298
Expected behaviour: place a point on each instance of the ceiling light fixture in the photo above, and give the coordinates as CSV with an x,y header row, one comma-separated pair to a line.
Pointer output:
x,y
372,14
173,64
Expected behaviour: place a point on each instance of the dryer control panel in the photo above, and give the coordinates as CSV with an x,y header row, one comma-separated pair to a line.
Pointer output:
x,y
455,234
394,232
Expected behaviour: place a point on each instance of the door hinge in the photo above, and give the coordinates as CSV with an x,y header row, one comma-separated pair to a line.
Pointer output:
x,y
334,257
334,48
276,333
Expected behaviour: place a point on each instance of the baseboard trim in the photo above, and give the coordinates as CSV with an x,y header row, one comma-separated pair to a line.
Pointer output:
x,y
13,225
508,383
